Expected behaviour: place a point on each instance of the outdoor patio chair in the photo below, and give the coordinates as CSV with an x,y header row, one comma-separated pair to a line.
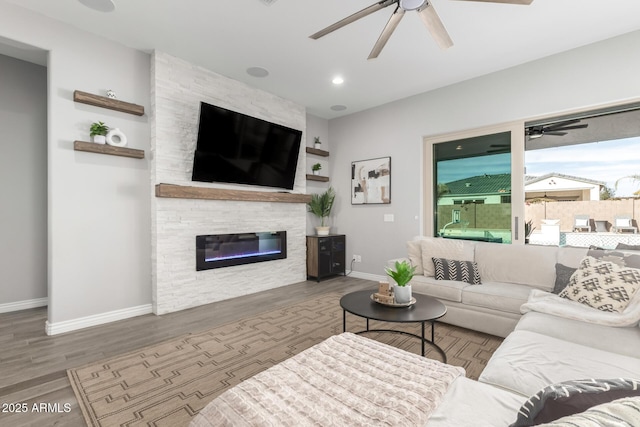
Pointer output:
x,y
624,222
581,223
601,226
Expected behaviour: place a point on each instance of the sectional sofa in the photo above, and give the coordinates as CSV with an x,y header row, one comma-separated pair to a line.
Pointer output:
x,y
563,363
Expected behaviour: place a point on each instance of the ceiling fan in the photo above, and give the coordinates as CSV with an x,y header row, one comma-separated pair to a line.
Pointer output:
x,y
425,11
556,129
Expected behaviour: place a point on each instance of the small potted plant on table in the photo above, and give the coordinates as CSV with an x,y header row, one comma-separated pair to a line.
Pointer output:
x,y
402,275
316,142
320,205
316,168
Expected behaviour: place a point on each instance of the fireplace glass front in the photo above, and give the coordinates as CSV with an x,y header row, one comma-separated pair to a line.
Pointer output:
x,y
225,250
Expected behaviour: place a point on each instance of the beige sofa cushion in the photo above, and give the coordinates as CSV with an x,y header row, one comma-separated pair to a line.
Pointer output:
x,y
449,290
438,247
527,361
523,264
497,296
624,341
414,253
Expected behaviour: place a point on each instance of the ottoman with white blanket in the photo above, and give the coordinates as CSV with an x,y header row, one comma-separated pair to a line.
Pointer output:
x,y
349,380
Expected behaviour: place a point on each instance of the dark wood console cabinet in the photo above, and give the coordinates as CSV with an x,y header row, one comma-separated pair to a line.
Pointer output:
x,y
325,256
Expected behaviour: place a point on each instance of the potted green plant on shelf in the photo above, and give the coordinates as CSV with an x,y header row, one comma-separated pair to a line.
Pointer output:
x,y
98,131
528,229
321,205
316,168
402,275
316,142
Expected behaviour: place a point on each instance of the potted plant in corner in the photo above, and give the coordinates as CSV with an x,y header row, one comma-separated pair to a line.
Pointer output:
x,y
316,142
320,205
316,168
98,131
528,229
402,275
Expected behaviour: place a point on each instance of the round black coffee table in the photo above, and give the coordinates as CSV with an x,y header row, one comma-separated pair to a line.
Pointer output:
x,y
426,309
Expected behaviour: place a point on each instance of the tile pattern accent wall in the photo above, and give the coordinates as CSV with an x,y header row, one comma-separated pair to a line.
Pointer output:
x,y
178,87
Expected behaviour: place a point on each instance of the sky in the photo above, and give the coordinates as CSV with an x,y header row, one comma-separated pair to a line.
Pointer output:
x,y
605,161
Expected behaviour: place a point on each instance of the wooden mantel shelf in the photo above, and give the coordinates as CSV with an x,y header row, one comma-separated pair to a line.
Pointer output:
x,y
109,103
189,192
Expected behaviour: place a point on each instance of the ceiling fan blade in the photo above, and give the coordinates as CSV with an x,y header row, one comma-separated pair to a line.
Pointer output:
x,y
393,22
352,18
555,133
435,26
525,2
556,126
572,127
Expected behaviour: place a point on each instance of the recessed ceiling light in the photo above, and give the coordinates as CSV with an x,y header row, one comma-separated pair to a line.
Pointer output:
x,y
99,5
338,107
257,72
337,80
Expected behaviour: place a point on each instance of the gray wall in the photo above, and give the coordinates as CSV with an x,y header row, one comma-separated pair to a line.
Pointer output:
x,y
99,218
589,76
23,181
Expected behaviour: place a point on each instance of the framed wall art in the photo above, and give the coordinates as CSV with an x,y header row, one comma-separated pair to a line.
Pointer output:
x,y
371,181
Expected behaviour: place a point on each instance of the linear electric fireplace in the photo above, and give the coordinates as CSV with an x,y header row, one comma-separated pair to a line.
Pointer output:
x,y
225,250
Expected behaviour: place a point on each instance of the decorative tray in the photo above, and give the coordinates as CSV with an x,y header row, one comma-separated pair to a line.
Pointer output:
x,y
406,304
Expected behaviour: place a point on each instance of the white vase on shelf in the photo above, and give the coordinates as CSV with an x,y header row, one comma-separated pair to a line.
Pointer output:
x,y
99,139
116,138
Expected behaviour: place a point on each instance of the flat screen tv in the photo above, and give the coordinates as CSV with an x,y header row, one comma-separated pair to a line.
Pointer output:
x,y
235,148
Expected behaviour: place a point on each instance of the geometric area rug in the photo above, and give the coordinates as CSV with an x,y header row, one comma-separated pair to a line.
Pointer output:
x,y
167,384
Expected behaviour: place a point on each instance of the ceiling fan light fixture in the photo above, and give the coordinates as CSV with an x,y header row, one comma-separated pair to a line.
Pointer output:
x,y
412,4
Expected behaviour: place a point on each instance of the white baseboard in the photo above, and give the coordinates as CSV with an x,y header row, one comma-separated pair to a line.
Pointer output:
x,y
368,276
97,319
23,305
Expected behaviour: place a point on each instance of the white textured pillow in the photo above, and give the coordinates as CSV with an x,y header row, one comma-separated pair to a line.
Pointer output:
x,y
602,285
581,222
438,247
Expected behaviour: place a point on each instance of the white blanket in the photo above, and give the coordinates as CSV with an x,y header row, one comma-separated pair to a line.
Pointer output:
x,y
545,302
347,380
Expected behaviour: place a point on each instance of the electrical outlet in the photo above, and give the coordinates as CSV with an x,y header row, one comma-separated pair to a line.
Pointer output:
x,y
357,258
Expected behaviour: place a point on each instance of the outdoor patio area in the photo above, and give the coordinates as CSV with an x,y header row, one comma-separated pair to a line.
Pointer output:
x,y
601,240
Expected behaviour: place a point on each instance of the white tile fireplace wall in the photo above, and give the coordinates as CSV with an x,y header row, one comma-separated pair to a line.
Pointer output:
x,y
177,88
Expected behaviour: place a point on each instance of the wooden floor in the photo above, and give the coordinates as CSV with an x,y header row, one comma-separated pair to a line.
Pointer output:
x,y
33,365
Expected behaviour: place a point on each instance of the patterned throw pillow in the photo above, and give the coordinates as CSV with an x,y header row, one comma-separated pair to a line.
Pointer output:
x,y
572,397
602,285
462,271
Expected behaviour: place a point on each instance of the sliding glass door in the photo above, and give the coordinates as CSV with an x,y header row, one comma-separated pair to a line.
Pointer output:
x,y
471,189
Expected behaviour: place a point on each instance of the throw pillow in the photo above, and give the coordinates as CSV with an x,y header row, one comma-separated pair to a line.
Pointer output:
x,y
628,247
622,258
623,412
572,397
462,271
602,285
563,275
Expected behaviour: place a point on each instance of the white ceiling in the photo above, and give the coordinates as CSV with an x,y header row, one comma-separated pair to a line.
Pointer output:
x,y
229,36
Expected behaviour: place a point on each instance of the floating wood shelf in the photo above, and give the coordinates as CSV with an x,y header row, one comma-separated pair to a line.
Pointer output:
x,y
189,192
104,102
317,178
317,152
92,147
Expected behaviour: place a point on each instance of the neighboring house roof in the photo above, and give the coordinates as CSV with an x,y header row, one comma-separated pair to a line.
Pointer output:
x,y
533,179
481,184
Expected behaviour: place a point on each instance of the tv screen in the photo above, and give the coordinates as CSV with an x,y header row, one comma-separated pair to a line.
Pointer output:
x,y
235,148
